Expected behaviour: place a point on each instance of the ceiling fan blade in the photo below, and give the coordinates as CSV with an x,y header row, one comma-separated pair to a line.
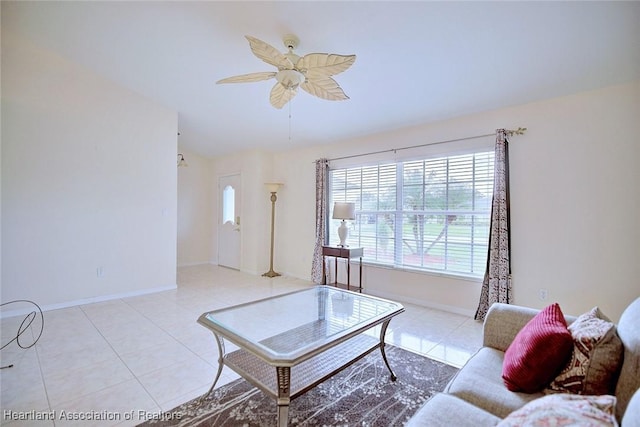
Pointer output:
x,y
281,95
325,88
269,54
319,65
246,78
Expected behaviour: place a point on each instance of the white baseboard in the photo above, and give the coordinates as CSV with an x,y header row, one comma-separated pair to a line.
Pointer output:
x,y
406,299
193,264
242,270
423,303
92,300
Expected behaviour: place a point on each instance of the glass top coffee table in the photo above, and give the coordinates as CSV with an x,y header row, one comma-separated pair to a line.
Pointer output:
x,y
287,344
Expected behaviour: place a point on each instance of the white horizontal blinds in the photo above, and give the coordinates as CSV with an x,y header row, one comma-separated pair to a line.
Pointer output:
x,y
373,190
428,214
483,197
376,219
446,206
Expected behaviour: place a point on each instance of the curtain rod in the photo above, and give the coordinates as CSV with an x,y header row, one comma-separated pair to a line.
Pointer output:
x,y
508,132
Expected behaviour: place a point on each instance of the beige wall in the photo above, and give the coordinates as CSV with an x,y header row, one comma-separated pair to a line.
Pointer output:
x,y
88,183
196,192
575,201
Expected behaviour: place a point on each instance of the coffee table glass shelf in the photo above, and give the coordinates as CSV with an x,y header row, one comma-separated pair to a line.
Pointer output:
x,y
287,344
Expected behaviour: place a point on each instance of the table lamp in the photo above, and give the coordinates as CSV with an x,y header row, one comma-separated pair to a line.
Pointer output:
x,y
344,211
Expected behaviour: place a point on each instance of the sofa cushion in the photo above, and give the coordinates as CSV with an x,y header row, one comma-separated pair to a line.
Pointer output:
x,y
632,414
565,410
596,357
444,410
538,352
480,383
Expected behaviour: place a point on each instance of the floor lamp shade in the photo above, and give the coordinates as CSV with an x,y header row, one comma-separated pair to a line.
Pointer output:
x,y
273,186
344,211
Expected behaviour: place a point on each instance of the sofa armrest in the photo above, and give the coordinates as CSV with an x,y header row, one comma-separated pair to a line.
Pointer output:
x,y
503,322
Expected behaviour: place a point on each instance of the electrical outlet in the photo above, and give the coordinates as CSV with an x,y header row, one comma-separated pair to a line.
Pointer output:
x,y
543,294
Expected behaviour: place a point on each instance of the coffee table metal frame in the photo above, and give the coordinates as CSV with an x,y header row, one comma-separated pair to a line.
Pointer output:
x,y
287,376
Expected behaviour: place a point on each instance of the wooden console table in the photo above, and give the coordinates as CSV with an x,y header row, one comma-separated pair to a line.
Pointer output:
x,y
345,253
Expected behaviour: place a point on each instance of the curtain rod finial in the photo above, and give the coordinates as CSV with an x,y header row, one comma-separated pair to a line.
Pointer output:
x,y
519,131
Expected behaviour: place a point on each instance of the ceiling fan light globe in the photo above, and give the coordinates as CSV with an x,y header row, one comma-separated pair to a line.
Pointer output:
x,y
290,79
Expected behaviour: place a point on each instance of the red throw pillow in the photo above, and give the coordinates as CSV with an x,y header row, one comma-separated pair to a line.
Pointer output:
x,y
538,352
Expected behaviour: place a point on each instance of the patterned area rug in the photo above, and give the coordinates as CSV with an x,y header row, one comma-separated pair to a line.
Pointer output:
x,y
362,395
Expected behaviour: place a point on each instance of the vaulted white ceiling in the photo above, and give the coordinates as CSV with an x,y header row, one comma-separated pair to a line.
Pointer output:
x,y
417,62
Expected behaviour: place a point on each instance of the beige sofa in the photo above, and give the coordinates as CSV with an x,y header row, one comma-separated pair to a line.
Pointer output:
x,y
477,396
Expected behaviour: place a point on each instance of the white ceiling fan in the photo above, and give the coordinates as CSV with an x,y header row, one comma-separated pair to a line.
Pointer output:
x,y
311,72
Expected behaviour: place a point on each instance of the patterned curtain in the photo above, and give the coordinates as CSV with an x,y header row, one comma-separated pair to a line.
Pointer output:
x,y
322,167
496,286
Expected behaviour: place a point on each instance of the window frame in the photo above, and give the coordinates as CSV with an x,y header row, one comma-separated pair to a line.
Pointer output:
x,y
478,216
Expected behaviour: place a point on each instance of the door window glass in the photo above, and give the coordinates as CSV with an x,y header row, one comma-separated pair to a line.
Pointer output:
x,y
228,204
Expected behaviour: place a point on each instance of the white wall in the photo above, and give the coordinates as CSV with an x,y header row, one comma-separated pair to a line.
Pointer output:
x,y
195,210
88,183
575,202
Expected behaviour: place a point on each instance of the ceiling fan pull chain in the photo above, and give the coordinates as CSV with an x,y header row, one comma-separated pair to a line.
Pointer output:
x,y
290,101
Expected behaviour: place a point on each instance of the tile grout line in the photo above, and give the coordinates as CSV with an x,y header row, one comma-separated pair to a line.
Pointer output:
x,y
176,340
118,356
44,382
168,333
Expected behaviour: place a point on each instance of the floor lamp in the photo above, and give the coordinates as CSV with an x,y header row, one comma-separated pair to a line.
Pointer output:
x,y
273,188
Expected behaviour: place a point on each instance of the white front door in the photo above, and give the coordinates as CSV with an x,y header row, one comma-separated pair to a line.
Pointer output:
x,y
229,223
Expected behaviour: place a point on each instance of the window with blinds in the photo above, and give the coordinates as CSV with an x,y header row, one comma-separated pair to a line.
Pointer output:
x,y
431,214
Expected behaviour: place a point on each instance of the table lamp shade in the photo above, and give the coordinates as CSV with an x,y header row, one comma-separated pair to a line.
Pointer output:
x,y
344,210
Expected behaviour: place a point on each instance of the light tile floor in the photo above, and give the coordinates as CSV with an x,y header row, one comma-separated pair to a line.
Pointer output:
x,y
135,357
